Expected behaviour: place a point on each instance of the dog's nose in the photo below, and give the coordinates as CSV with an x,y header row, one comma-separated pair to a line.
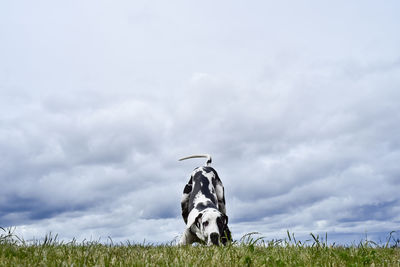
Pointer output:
x,y
214,238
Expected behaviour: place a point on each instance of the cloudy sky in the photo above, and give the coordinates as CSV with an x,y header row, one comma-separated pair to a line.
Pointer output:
x,y
298,102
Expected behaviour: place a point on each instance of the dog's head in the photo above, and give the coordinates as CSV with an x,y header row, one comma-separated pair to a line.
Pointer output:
x,y
210,225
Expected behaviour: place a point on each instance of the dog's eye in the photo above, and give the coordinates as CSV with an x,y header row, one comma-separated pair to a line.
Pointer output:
x,y
205,223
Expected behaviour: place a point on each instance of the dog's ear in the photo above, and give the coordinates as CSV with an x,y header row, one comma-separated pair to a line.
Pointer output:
x,y
197,220
225,219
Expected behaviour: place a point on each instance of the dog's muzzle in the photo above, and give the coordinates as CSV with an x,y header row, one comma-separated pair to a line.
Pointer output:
x,y
214,238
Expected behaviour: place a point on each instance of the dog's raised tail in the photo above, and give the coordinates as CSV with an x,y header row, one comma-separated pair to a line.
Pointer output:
x,y
208,162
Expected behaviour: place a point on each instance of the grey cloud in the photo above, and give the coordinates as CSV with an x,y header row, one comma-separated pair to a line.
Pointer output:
x,y
381,211
271,165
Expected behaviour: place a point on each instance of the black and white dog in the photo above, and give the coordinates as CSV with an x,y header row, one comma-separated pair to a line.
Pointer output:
x,y
203,207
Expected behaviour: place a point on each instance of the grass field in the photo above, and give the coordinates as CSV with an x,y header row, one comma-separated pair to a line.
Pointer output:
x,y
249,251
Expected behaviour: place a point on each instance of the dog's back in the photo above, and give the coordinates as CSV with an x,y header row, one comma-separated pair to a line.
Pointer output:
x,y
203,190
204,181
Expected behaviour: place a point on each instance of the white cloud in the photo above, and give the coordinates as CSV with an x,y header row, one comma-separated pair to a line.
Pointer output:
x,y
300,115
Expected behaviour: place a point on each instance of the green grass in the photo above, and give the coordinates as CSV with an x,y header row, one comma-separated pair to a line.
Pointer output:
x,y
249,251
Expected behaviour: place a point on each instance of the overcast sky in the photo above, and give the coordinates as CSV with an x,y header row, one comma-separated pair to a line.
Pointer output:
x,y
298,102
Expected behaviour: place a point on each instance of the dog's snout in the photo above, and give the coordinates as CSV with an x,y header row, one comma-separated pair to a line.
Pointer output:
x,y
214,238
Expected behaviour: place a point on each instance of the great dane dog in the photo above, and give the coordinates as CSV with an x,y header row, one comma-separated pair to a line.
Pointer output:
x,y
203,207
